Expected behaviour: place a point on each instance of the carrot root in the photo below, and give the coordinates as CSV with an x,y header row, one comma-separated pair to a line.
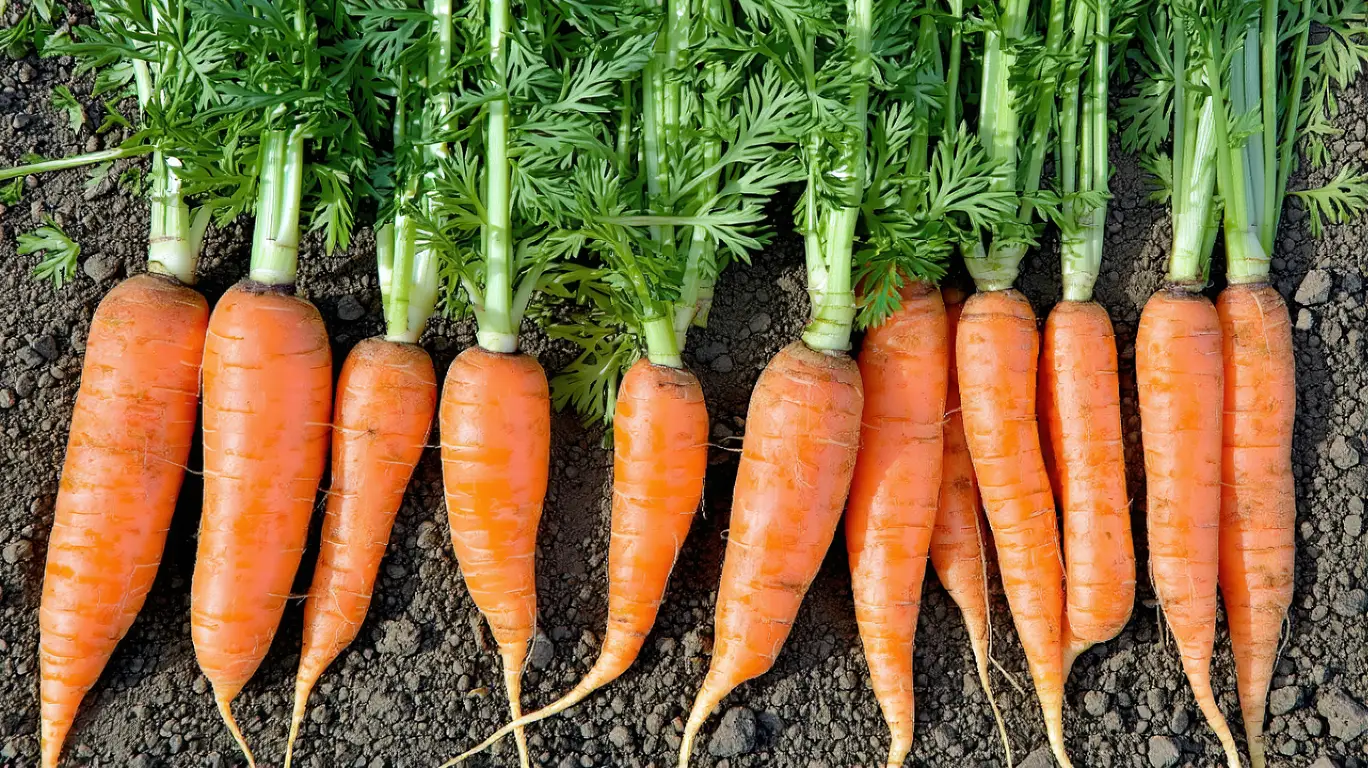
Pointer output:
x,y
226,711
303,688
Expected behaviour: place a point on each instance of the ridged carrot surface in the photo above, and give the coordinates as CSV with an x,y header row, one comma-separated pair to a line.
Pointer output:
x,y
131,431
996,354
1178,368
959,544
1080,406
894,494
496,451
660,455
267,409
386,398
797,459
1258,498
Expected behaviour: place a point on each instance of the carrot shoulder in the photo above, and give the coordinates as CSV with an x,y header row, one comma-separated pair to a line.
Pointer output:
x,y
267,409
1178,368
996,353
496,451
131,431
802,432
1258,501
894,493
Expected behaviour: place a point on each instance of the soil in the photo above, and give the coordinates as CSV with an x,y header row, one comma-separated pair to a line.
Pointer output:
x,y
421,682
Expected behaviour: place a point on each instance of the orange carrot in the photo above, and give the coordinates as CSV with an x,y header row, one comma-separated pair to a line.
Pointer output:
x,y
1080,406
958,544
267,403
1178,367
130,437
660,455
496,452
996,353
797,459
1258,502
893,495
386,397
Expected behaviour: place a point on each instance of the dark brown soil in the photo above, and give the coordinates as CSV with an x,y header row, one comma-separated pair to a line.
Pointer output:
x,y
422,680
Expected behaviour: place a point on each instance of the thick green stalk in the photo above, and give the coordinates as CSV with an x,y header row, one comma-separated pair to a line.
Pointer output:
x,y
834,319
171,250
1246,260
275,238
497,332
1291,121
695,296
1192,226
952,70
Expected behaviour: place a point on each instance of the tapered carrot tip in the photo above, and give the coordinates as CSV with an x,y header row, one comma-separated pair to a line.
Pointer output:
x,y
709,696
513,667
303,687
898,749
226,711
1254,735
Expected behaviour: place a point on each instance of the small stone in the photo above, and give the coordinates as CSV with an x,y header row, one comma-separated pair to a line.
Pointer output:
x,y
1351,603
201,684
25,383
542,653
1040,758
736,735
428,535
7,399
1095,703
30,357
723,364
100,268
1314,288
1324,762
1347,718
349,309
1283,700
1303,319
1180,720
760,323
709,352
1163,752
1353,526
654,723
17,551
620,737
47,347
400,638
1342,454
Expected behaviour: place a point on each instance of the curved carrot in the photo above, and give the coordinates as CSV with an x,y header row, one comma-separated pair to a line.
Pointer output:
x,y
386,397
496,453
267,403
959,542
1258,502
996,348
1178,368
893,496
660,455
1080,406
131,432
797,459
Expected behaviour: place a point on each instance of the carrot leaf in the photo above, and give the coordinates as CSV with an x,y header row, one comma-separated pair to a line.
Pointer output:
x,y
60,253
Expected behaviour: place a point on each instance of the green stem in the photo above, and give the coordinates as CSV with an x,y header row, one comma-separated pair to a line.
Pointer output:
x,y
952,71
74,161
497,332
1190,252
1291,121
275,238
1246,261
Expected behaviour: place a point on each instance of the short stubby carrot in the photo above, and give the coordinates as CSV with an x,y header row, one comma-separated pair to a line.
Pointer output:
x,y
996,354
267,406
1258,501
1080,406
386,398
959,546
1178,369
894,494
797,459
131,432
496,452
660,456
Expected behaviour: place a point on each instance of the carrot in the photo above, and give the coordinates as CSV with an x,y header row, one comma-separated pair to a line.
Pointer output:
x,y
958,544
1081,410
267,403
660,454
893,495
1258,505
1178,367
996,351
386,397
131,431
797,459
496,453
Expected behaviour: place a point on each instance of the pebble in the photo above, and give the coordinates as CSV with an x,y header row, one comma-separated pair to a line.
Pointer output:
x,y
17,551
620,737
1095,703
736,735
428,535
1040,758
1324,762
101,268
1314,288
1303,319
1163,752
542,652
401,638
1347,718
350,309
1351,603
1353,526
30,357
25,383
1342,454
47,347
760,323
723,364
7,399
1283,700
1180,721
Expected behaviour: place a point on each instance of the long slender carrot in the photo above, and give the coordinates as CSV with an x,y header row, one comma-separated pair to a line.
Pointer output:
x,y
1178,367
1258,501
1081,410
797,459
660,455
894,494
496,452
386,397
131,432
267,404
959,544
996,353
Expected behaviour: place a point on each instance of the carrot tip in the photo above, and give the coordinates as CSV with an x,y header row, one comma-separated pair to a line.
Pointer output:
x,y
302,690
227,713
